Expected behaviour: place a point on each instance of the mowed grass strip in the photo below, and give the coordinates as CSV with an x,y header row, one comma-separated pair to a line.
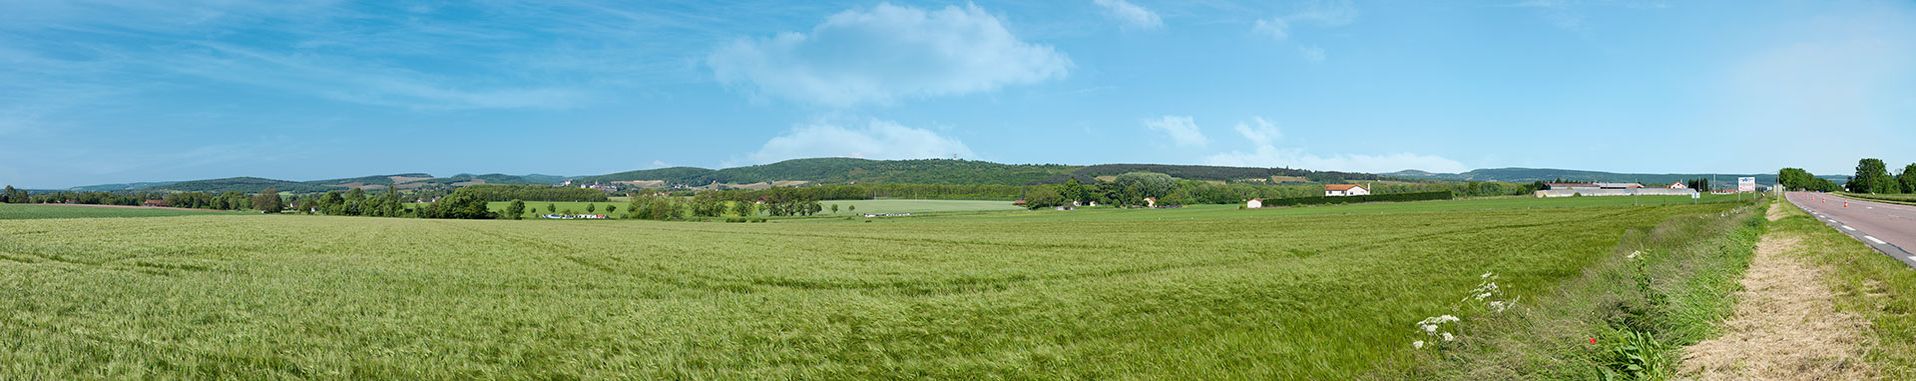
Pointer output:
x,y
1867,283
1199,292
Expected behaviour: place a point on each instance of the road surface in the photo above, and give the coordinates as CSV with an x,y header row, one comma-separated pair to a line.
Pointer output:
x,y
1889,228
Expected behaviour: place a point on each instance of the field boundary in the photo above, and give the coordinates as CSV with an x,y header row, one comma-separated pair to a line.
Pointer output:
x,y
1864,282
1626,316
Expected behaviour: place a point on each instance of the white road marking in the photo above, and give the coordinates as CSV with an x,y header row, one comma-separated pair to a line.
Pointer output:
x,y
1877,241
1846,227
1912,257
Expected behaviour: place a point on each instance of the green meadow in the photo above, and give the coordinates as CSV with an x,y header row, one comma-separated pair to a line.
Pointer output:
x,y
1202,292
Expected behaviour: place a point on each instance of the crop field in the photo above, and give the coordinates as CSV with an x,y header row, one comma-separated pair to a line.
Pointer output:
x,y
918,206
1203,292
34,211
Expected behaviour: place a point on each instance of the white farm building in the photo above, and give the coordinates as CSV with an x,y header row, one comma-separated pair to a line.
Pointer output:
x,y
1338,190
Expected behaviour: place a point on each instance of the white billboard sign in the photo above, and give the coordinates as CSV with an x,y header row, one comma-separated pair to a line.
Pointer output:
x,y
1745,184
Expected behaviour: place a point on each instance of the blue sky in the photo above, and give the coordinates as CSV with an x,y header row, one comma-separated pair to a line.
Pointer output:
x,y
122,91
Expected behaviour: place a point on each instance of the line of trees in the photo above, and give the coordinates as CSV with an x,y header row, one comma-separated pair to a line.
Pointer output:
x,y
1872,176
495,192
91,198
1130,189
354,202
14,196
1801,180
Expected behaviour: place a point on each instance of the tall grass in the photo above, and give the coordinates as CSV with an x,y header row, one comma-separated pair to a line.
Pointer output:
x,y
1206,293
1626,316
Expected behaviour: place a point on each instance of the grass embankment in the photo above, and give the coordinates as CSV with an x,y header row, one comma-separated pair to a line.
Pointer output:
x,y
1640,309
1880,289
40,211
1201,292
1905,199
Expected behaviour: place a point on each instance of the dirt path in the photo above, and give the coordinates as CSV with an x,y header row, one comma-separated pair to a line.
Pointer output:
x,y
1784,327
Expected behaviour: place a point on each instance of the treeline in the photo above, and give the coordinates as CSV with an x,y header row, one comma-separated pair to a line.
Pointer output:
x,y
229,200
1797,179
492,192
356,202
1130,189
89,198
877,191
1872,176
14,196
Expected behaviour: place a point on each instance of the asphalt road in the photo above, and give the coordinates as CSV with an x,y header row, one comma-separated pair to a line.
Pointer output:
x,y
1889,228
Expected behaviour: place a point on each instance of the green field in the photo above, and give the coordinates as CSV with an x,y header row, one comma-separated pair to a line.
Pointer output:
x,y
917,206
37,211
1203,292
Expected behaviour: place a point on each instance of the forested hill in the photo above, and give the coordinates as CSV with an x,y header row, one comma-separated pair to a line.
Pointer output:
x,y
1524,175
255,184
815,170
946,171
847,170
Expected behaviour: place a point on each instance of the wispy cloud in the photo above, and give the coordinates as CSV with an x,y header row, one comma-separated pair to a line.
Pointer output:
x,y
1131,15
885,53
1318,14
1265,152
1571,14
1182,130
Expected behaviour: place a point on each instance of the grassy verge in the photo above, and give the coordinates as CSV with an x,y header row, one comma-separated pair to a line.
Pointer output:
x,y
1640,309
1867,283
1904,199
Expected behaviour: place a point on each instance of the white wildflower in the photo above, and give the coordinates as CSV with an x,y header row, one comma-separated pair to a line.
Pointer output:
x,y
1447,319
1432,328
1419,344
1634,254
1486,275
1449,337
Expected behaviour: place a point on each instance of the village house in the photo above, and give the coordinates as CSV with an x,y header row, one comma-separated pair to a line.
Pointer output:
x,y
1151,202
1255,203
1340,190
1679,185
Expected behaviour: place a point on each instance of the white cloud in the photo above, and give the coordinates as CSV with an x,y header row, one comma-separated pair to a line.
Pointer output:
x,y
1264,133
1312,53
876,139
1323,14
1131,15
1275,28
1183,130
885,53
1263,136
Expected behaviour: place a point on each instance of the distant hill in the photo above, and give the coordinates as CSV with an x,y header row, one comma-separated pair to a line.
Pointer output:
x,y
1206,172
840,170
945,171
243,184
1524,175
255,184
848,170
120,187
